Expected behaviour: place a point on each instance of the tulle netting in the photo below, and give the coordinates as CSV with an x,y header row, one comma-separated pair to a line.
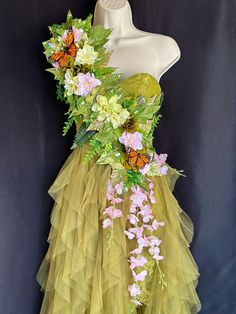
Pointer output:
x,y
79,275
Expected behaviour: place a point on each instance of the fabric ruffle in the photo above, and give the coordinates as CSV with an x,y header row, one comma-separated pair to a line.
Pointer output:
x,y
79,275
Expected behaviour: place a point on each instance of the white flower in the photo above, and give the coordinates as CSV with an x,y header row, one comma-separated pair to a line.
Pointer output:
x,y
71,83
86,55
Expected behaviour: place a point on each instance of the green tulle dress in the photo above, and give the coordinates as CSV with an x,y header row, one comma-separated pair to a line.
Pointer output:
x,y
82,274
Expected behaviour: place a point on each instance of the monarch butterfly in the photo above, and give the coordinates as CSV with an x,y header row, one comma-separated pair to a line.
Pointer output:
x,y
137,159
70,50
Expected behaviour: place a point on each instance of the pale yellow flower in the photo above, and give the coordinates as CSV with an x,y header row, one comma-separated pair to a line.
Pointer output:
x,y
86,55
110,110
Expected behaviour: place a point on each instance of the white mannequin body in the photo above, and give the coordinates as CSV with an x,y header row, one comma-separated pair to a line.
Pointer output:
x,y
134,51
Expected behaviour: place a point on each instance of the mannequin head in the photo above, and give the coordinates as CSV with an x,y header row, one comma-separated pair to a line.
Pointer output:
x,y
113,4
115,14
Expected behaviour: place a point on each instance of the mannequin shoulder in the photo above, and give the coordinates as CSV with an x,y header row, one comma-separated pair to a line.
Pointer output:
x,y
167,52
166,47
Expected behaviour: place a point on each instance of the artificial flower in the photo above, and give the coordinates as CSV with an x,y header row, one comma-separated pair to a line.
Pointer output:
x,y
107,223
129,234
109,110
70,83
86,83
138,196
132,140
141,276
137,261
134,290
86,55
112,212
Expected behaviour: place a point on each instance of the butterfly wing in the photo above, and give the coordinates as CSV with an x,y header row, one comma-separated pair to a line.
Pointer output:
x,y
133,156
69,39
57,56
63,60
72,50
142,160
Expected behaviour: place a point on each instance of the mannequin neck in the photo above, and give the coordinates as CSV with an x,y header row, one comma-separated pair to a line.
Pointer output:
x,y
119,19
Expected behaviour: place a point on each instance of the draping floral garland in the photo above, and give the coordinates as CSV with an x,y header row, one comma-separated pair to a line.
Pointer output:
x,y
118,129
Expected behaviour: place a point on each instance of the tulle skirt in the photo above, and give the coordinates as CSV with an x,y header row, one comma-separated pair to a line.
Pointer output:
x,y
80,275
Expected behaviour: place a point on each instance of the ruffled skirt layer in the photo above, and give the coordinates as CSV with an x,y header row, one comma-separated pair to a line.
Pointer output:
x,y
79,275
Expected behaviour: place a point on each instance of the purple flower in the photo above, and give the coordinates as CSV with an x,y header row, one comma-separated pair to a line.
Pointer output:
x,y
132,140
134,290
112,212
138,197
139,277
107,223
160,159
77,33
86,83
139,261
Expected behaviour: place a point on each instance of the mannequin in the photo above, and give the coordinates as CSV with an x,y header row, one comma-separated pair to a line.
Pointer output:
x,y
134,51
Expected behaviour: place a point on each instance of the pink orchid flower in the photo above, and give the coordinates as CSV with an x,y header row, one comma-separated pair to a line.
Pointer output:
x,y
86,83
146,213
56,65
151,197
110,191
163,170
154,250
119,187
154,240
138,231
134,290
160,159
156,224
107,223
143,242
116,200
129,234
138,196
145,169
77,33
137,262
139,277
133,219
133,208
138,250
151,185
112,212
132,140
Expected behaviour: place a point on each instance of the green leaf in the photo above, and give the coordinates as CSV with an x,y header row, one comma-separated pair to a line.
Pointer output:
x,y
111,80
60,92
68,124
58,74
82,136
104,136
99,35
69,19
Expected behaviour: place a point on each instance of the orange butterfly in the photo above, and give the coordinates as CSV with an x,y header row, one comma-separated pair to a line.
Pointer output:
x,y
70,50
137,159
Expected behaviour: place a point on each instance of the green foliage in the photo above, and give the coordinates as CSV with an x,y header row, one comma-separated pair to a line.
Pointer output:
x,y
68,124
99,35
96,149
58,74
110,81
60,92
135,178
82,136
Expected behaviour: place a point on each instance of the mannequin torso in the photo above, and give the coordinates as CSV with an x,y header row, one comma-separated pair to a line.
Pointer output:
x,y
134,51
